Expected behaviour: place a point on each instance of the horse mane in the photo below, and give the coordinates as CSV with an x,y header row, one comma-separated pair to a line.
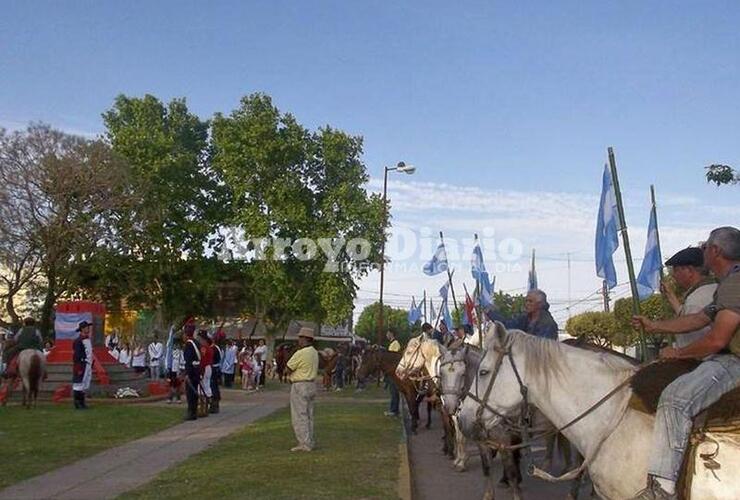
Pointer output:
x,y
545,358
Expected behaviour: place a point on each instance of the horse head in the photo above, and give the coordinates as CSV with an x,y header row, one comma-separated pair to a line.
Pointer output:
x,y
494,395
369,363
452,369
420,353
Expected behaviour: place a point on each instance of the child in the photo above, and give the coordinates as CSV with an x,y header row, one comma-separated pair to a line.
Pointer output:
x,y
246,367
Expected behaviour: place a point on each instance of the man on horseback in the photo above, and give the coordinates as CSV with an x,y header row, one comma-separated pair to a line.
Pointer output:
x,y
27,338
718,373
536,319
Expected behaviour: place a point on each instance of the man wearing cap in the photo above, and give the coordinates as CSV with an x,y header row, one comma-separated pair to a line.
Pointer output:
x,y
718,373
82,360
688,271
302,368
191,357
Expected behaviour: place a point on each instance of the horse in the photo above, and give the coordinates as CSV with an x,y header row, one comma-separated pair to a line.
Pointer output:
x,y
378,359
327,361
31,370
282,355
614,438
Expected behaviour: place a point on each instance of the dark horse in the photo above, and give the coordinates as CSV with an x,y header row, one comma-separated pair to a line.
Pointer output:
x,y
282,355
376,359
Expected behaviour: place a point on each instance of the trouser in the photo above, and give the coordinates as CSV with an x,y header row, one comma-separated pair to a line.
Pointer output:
x,y
395,399
215,383
228,379
302,395
680,402
191,393
86,378
262,372
206,381
339,378
154,372
174,385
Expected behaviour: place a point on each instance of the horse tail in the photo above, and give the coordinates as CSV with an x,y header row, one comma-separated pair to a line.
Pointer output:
x,y
34,376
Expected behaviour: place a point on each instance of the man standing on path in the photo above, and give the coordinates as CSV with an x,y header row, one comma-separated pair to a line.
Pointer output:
x,y
156,349
81,364
218,341
394,346
228,364
191,355
260,352
302,368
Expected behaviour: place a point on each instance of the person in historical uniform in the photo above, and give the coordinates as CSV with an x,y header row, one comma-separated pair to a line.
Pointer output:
x,y
82,360
218,354
191,357
206,365
302,368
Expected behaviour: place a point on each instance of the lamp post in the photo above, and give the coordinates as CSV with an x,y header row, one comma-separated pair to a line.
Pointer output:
x,y
406,169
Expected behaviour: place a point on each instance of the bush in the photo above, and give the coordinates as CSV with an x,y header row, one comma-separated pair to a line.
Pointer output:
x,y
596,327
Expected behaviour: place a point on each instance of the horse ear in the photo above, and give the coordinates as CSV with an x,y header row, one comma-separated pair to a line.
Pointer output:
x,y
500,334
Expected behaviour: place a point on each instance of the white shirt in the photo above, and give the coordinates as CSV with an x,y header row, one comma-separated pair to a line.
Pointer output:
x,y
262,351
229,360
695,302
139,358
124,357
178,361
156,349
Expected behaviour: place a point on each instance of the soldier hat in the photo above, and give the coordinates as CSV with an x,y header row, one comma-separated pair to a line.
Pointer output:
x,y
691,256
82,325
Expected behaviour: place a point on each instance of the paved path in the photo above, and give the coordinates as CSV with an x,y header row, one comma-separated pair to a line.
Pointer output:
x,y
433,477
117,470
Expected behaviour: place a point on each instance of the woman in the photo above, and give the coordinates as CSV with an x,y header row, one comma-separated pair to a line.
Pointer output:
x,y
138,359
124,356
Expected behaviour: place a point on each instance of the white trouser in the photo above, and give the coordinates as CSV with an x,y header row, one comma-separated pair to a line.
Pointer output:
x,y
154,371
86,378
205,382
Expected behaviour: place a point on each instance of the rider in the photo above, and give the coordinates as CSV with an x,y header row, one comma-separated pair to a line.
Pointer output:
x,y
27,338
718,373
536,320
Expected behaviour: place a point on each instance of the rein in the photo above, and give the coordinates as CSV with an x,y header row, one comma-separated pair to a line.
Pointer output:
x,y
524,425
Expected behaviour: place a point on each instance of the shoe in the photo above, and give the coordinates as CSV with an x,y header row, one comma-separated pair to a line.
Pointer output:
x,y
654,491
390,414
300,447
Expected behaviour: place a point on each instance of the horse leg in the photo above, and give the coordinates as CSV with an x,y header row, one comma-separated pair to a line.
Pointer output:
x,y
565,451
461,456
512,475
429,414
486,456
550,442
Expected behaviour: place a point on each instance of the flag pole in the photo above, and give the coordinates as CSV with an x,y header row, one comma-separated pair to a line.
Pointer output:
x,y
626,242
425,306
449,275
657,233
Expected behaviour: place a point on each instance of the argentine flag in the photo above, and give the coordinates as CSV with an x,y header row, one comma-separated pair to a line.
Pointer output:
x,y
414,314
438,264
648,281
607,225
479,273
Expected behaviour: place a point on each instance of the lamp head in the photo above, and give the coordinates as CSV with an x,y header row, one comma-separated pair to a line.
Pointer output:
x,y
406,169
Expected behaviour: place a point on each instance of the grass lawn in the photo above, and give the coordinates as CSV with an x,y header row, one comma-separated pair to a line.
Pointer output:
x,y
371,391
357,457
50,436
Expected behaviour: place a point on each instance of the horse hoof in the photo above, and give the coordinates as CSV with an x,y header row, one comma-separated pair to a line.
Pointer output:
x,y
503,484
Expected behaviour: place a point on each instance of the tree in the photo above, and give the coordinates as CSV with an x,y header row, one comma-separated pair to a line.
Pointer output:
x,y
288,183
367,323
508,305
722,174
58,193
599,328
654,307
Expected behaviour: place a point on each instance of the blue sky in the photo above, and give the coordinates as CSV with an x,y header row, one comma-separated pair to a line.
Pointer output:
x,y
507,108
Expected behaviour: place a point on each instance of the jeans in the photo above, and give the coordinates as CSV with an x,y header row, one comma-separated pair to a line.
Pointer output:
x,y
395,401
680,402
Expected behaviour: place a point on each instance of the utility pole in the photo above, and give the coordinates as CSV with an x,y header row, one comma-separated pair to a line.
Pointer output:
x,y
569,289
605,294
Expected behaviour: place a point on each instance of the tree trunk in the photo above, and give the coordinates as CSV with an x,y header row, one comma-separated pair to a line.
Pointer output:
x,y
10,308
47,310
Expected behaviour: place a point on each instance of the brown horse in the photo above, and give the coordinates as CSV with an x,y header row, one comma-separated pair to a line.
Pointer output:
x,y
282,355
376,359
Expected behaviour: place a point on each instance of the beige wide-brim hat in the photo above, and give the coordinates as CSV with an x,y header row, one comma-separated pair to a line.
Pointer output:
x,y
306,332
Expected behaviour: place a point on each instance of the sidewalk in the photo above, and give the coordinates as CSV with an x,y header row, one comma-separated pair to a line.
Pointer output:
x,y
121,469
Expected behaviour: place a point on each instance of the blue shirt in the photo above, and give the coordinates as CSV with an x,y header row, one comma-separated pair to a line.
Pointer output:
x,y
544,326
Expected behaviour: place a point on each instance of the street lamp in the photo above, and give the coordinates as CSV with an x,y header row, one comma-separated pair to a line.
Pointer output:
x,y
406,169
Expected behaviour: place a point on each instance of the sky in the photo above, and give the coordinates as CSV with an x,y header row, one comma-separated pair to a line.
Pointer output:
x,y
506,109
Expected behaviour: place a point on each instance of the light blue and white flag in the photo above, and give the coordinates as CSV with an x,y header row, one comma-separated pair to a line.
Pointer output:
x,y
648,281
414,314
446,315
438,264
607,225
479,273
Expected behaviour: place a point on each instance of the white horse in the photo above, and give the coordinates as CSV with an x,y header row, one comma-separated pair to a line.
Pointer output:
x,y
565,382
31,369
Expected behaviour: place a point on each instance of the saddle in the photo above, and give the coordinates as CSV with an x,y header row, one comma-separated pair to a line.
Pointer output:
x,y
721,418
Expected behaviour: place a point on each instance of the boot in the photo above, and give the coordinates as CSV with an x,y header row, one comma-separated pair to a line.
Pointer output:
x,y
214,406
76,398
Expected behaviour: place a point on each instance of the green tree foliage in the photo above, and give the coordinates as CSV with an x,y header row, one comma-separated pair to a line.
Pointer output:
x,y
367,323
596,327
654,307
508,305
722,174
287,182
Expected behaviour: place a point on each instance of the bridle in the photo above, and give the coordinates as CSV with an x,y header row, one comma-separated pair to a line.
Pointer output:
x,y
419,380
456,389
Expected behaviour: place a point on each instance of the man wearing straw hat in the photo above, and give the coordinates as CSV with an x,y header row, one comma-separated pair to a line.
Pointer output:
x,y
302,369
